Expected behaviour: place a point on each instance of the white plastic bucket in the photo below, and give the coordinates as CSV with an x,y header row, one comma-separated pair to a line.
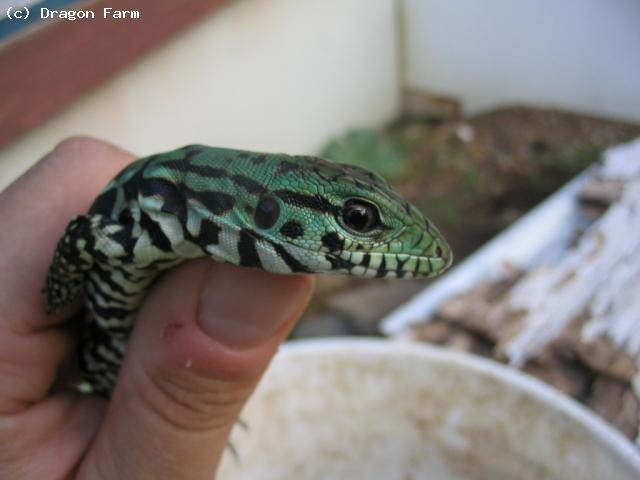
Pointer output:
x,y
375,409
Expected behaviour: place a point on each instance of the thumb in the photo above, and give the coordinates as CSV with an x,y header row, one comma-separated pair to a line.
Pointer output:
x,y
203,338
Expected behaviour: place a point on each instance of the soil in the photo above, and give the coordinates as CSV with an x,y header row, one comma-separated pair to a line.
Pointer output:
x,y
476,176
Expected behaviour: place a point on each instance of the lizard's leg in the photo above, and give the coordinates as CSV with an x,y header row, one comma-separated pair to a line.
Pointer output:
x,y
90,254
72,260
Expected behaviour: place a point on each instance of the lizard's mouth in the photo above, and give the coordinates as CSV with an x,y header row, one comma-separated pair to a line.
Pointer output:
x,y
389,265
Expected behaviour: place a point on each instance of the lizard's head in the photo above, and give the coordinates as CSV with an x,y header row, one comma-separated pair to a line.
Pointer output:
x,y
340,218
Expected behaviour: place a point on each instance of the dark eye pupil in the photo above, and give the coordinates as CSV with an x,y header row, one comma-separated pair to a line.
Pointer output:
x,y
360,217
267,213
356,217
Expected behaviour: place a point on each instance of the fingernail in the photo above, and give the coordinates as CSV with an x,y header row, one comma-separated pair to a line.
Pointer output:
x,y
242,307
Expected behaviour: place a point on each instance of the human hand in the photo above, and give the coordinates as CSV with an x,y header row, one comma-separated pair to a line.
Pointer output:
x,y
203,338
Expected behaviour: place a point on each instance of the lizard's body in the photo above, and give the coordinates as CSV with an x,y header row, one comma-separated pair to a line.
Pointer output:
x,y
280,213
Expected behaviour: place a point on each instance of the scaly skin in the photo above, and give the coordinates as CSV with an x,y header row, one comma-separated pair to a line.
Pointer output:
x,y
280,213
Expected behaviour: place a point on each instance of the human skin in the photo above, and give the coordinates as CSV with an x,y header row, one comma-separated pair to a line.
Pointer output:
x,y
203,338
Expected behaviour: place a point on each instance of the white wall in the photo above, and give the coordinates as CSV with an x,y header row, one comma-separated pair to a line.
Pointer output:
x,y
273,75
581,55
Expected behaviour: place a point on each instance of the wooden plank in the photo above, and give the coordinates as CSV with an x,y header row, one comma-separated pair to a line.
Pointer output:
x,y
43,72
599,278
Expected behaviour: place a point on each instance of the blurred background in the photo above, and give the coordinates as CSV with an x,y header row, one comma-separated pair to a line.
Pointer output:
x,y
477,111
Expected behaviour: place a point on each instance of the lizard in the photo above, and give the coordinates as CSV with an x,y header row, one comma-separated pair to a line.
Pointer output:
x,y
281,213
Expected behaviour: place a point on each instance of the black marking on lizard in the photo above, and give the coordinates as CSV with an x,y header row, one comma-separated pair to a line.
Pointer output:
x,y
382,268
292,229
333,242
303,200
289,259
248,184
338,263
247,250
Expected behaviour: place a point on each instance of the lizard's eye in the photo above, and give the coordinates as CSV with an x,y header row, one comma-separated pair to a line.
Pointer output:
x,y
360,216
267,213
